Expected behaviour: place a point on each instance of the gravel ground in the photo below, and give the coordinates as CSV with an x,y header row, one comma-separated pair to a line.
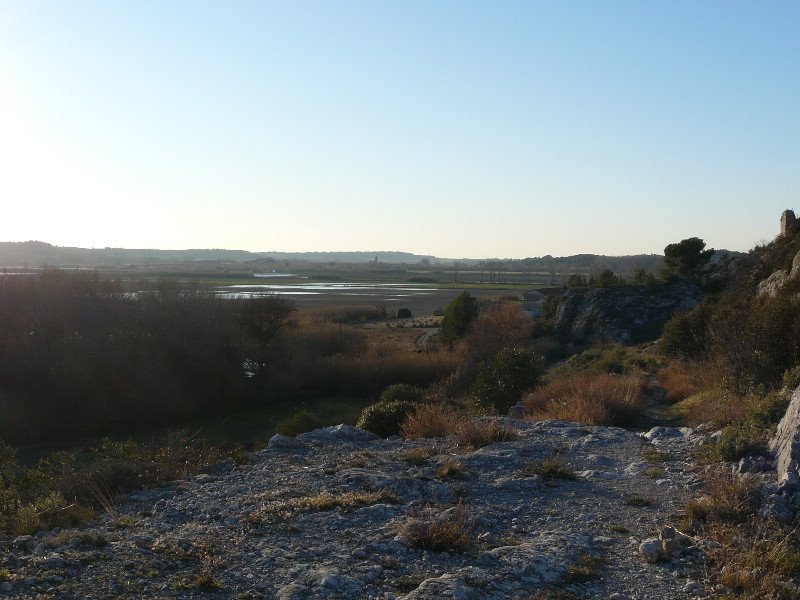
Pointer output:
x,y
334,514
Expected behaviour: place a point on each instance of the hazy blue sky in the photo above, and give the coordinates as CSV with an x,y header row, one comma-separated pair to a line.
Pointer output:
x,y
460,129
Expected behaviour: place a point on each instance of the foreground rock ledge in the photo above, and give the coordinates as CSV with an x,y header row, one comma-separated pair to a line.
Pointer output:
x,y
323,516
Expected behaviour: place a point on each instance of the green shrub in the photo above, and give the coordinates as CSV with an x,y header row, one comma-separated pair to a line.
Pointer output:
x,y
402,392
457,317
686,334
771,409
404,313
298,423
385,418
737,440
500,385
791,378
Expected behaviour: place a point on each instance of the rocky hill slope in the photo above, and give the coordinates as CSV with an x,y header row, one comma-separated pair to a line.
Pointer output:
x,y
338,513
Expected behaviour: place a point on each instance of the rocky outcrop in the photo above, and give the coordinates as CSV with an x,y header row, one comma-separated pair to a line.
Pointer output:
x,y
623,313
772,284
331,517
785,446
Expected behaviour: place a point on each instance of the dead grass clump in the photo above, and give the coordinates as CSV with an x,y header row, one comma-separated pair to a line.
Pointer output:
x,y
716,406
324,501
679,382
452,469
418,456
550,468
757,560
450,531
480,433
431,421
588,398
587,568
728,499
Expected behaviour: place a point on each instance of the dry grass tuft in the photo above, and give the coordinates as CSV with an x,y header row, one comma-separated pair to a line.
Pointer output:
x,y
346,501
588,398
679,381
450,531
550,468
431,421
452,469
715,406
728,499
418,456
480,433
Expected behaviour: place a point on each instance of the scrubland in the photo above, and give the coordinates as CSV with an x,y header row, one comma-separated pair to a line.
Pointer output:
x,y
84,355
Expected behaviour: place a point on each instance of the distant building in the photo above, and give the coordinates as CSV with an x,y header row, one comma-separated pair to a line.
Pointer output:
x,y
789,224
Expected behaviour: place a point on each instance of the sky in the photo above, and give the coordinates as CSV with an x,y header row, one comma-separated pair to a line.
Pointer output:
x,y
448,128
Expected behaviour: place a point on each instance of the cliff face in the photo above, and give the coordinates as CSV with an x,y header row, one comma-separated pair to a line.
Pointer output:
x,y
627,314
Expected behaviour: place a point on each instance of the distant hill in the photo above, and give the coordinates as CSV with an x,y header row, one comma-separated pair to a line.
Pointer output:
x,y
38,254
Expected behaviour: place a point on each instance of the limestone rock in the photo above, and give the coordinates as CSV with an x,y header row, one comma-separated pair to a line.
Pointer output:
x,y
623,313
337,434
650,550
772,284
279,441
785,446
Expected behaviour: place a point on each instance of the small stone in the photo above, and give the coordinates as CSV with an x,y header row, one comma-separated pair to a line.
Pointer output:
x,y
650,550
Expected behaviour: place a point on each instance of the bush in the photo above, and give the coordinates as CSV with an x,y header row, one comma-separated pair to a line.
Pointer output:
x,y
385,418
430,421
404,313
402,392
457,317
678,382
501,384
588,398
737,440
686,334
298,423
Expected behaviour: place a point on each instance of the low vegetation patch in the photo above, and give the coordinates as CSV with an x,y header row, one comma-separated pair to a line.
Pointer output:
x,y
679,381
736,441
588,398
418,456
728,499
653,455
385,418
324,501
66,489
638,501
587,568
550,468
480,433
300,422
450,531
431,421
452,469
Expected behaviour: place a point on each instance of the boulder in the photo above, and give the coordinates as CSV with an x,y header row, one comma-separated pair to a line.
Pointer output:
x,y
337,434
785,446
